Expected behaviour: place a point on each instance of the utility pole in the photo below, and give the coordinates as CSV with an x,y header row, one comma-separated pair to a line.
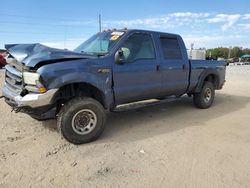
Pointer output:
x,y
65,37
229,52
100,23
191,50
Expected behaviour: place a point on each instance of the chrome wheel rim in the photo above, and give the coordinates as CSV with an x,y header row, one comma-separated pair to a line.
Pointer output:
x,y
207,95
84,121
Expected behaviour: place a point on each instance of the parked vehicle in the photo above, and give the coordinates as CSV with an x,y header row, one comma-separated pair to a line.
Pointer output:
x,y
111,68
3,62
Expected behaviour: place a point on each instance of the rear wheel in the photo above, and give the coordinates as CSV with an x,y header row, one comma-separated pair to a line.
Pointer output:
x,y
205,98
81,120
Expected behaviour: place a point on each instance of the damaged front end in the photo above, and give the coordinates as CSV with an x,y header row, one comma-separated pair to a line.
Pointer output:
x,y
24,89
25,93
35,55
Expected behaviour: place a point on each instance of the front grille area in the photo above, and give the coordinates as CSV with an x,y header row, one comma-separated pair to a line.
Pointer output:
x,y
13,79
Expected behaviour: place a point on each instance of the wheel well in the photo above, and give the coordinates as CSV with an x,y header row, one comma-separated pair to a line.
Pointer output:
x,y
213,79
70,91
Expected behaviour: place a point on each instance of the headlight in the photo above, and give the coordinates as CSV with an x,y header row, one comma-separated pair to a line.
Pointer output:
x,y
30,78
33,83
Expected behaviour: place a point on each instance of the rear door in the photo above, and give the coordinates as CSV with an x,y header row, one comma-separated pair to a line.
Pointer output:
x,y
174,65
139,77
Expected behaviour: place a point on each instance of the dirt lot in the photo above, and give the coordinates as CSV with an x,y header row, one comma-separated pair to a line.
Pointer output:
x,y
167,145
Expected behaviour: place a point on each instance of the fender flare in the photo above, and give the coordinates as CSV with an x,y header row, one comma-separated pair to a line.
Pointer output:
x,y
88,79
202,77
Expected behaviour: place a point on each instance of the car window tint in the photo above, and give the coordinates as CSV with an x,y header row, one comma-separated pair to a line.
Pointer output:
x,y
138,46
171,48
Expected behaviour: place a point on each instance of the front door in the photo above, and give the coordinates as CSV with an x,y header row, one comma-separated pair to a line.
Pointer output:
x,y
138,78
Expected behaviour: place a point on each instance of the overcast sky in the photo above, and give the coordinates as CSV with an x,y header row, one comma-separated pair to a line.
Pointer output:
x,y
66,24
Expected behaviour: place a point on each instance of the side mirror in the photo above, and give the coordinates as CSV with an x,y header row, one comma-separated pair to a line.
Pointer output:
x,y
119,58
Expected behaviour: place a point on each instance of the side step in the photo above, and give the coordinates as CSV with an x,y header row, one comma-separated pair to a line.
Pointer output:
x,y
144,103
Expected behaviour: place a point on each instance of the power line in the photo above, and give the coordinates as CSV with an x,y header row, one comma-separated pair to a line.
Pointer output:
x,y
35,33
48,24
29,23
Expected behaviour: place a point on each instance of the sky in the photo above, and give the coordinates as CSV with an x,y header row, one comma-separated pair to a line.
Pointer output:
x,y
66,24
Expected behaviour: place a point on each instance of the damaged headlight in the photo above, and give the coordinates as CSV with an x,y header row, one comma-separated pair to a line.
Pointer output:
x,y
30,78
33,82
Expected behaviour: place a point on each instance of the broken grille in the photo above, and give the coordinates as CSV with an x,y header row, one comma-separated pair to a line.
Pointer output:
x,y
13,79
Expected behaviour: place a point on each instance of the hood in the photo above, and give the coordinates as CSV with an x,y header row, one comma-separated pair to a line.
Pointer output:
x,y
32,54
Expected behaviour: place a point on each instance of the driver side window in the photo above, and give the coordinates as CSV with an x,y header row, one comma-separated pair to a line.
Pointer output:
x,y
138,46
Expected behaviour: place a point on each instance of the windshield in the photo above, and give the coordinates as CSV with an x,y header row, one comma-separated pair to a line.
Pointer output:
x,y
100,44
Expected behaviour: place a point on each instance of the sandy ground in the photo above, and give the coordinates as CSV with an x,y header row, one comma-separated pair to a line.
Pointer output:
x,y
167,145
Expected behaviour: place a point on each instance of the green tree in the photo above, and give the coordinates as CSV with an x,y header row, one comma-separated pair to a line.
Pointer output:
x,y
246,51
235,52
217,52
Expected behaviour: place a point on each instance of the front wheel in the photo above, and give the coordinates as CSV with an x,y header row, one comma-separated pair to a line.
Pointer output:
x,y
205,98
81,120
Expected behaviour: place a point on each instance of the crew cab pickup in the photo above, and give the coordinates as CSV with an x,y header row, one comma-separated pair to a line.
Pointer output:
x,y
111,68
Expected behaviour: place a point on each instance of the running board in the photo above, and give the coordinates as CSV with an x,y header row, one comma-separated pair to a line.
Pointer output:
x,y
141,104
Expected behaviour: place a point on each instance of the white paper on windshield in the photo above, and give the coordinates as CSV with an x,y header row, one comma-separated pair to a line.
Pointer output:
x,y
117,33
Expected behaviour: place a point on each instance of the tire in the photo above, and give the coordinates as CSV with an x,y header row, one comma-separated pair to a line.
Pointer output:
x,y
205,98
81,120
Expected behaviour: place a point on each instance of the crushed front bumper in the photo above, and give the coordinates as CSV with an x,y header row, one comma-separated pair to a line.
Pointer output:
x,y
36,105
29,100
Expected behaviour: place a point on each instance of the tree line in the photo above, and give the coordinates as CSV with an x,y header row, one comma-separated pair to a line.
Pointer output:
x,y
226,53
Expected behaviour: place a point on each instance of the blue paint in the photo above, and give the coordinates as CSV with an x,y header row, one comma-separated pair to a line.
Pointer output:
x,y
122,83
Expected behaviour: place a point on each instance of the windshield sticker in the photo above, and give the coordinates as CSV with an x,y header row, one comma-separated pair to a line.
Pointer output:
x,y
117,33
115,37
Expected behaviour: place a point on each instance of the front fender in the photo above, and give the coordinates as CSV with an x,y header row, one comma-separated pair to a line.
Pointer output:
x,y
64,73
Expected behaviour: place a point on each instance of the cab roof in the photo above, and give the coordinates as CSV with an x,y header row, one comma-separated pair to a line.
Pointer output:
x,y
143,31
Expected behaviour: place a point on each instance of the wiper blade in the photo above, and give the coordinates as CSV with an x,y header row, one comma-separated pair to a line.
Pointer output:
x,y
88,53
94,53
100,55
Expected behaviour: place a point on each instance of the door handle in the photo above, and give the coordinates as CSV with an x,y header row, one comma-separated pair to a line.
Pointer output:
x,y
157,67
184,66
103,70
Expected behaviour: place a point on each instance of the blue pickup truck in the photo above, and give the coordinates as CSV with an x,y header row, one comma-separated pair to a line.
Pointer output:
x,y
112,68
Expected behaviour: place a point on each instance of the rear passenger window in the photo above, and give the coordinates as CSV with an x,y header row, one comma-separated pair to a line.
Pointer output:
x,y
171,48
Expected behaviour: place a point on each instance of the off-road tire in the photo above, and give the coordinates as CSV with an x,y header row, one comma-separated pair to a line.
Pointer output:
x,y
70,110
201,100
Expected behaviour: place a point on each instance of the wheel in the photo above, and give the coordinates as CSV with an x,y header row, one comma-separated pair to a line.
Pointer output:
x,y
205,98
81,120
